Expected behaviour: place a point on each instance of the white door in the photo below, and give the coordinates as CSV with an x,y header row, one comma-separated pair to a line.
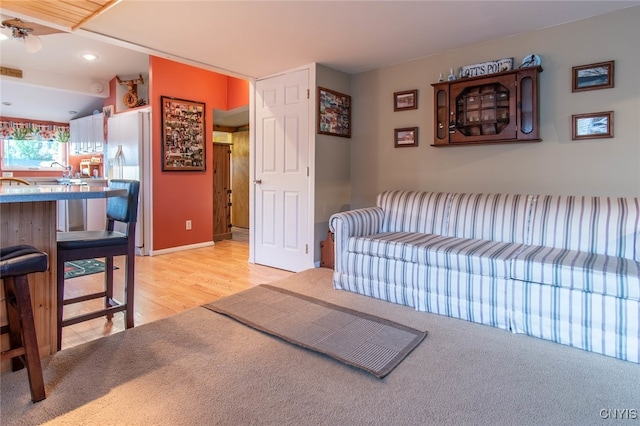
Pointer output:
x,y
281,188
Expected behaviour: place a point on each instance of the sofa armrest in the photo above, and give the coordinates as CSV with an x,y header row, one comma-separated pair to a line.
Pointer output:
x,y
353,223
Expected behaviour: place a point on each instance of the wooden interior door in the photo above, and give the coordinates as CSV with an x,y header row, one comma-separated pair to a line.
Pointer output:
x,y
240,180
221,192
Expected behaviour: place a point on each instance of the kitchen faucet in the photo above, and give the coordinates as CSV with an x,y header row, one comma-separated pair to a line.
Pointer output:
x,y
67,169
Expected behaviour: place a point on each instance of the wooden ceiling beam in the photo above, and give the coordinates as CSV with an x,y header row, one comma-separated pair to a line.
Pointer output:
x,y
230,129
70,14
109,4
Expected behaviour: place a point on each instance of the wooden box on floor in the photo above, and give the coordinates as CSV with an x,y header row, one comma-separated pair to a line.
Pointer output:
x,y
326,251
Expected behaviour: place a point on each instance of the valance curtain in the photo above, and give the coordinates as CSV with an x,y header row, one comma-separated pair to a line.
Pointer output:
x,y
29,130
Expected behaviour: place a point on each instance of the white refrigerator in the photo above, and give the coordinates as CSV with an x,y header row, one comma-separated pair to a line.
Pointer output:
x,y
128,157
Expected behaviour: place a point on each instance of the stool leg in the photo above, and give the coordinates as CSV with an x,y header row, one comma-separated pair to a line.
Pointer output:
x,y
60,298
20,287
13,320
129,287
108,284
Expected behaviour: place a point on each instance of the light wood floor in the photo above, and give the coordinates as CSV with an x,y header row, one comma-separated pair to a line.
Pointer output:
x,y
170,283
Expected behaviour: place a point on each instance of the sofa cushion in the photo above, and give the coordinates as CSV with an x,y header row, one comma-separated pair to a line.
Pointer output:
x,y
386,279
481,257
413,211
590,272
604,225
495,217
391,245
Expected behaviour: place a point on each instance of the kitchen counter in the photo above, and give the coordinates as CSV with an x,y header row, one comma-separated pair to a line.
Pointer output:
x,y
27,193
28,215
54,180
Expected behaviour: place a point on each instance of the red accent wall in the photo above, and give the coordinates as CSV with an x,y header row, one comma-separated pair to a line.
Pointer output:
x,y
238,93
111,100
182,196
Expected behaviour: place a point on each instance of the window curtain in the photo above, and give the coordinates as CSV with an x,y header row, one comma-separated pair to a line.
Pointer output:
x,y
12,128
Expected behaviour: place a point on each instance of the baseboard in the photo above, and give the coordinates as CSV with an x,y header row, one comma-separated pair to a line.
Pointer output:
x,y
181,248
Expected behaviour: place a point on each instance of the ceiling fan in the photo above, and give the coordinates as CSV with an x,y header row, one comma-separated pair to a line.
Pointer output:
x,y
26,32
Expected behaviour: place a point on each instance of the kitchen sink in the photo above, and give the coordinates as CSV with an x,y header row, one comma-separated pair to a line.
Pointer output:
x,y
58,181
69,181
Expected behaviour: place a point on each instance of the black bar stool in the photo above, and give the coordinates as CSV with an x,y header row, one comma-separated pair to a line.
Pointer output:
x,y
77,245
15,263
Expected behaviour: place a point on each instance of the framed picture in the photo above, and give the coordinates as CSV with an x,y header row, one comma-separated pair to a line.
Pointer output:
x,y
334,113
596,125
183,130
406,137
593,76
406,100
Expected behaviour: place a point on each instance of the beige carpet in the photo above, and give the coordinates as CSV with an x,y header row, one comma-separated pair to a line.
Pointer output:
x,y
200,368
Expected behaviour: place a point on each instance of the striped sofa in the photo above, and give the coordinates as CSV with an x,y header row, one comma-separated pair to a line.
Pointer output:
x,y
561,268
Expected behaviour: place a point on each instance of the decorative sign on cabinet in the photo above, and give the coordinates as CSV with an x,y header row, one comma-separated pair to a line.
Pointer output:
x,y
496,108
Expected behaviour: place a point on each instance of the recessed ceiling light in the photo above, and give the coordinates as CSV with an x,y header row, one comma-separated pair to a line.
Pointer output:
x,y
7,103
89,56
73,112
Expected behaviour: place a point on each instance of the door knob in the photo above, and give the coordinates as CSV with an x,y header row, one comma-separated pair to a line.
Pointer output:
x,y
257,181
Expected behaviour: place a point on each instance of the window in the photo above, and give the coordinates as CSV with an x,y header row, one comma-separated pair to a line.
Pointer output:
x,y
33,146
32,154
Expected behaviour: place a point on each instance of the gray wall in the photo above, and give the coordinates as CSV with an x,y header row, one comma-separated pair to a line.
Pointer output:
x,y
557,165
333,159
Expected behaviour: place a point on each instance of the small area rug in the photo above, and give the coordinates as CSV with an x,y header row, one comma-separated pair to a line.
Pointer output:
x,y
78,268
373,344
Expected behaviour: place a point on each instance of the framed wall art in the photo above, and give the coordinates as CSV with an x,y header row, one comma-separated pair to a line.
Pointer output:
x,y
405,137
595,125
334,113
183,130
592,76
406,100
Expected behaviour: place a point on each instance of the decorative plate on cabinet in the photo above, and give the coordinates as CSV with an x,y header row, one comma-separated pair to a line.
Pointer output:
x,y
532,60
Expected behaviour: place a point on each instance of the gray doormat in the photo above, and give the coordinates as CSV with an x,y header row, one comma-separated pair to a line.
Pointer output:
x,y
373,344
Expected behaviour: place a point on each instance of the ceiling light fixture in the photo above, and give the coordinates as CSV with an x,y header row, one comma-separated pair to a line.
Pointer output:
x,y
20,32
88,56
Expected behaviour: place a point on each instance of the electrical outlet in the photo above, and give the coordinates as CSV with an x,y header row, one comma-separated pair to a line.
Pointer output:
x,y
188,224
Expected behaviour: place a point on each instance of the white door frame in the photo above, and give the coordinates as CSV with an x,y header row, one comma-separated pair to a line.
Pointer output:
x,y
312,147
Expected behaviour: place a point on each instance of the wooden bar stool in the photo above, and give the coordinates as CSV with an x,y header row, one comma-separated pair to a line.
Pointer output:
x,y
15,263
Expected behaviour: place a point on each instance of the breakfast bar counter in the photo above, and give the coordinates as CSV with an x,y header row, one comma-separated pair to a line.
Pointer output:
x,y
28,215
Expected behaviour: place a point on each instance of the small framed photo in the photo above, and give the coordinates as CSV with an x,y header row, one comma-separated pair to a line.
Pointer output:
x,y
406,137
593,76
597,125
406,100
